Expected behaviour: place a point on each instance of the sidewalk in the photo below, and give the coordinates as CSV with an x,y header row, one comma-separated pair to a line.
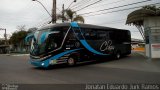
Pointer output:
x,y
143,54
16,54
140,52
136,61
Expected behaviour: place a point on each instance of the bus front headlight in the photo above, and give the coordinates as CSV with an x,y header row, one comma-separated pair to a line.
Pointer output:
x,y
42,64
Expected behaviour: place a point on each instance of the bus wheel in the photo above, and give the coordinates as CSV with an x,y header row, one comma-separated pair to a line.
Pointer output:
x,y
71,61
118,55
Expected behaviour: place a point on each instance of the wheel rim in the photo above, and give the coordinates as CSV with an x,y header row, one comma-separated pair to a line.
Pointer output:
x,y
71,61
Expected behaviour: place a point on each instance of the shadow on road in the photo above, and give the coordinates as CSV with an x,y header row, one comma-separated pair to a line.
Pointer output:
x,y
79,64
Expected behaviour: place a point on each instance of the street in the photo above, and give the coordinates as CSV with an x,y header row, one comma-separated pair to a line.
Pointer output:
x,y
131,69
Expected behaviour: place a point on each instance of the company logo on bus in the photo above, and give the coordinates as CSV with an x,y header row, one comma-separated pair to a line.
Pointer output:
x,y
106,45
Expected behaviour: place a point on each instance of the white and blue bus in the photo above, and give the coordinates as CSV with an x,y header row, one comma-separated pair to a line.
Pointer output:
x,y
72,42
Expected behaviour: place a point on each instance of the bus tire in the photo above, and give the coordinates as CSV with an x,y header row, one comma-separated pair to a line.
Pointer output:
x,y
117,55
71,61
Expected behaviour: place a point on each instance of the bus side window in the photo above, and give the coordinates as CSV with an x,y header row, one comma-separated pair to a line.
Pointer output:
x,y
93,34
102,35
87,33
90,34
71,35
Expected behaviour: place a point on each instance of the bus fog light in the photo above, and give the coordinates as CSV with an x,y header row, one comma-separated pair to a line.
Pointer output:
x,y
53,61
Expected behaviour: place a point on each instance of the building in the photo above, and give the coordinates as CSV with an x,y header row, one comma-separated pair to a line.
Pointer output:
x,y
152,35
136,43
3,48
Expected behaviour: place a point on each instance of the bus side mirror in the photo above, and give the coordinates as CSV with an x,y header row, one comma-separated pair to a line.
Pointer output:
x,y
28,38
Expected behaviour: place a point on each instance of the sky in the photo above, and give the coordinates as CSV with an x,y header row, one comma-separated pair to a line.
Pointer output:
x,y
30,13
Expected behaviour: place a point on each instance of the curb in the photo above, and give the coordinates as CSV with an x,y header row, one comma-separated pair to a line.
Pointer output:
x,y
17,54
142,54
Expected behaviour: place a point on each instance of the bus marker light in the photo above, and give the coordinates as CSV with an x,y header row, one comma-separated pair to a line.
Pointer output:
x,y
68,48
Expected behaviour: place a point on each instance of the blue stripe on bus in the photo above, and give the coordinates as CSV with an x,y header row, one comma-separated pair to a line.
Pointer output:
x,y
62,54
46,62
74,24
84,42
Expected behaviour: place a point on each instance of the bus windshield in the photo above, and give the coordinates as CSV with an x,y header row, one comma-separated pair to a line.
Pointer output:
x,y
47,40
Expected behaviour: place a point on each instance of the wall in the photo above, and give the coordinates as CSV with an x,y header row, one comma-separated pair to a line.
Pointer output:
x,y
152,27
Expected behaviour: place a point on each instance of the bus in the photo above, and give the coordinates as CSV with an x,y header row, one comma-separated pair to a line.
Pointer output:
x,y
73,42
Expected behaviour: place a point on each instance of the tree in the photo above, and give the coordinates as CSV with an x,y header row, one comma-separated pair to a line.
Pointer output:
x,y
17,38
71,16
137,17
31,30
21,27
151,7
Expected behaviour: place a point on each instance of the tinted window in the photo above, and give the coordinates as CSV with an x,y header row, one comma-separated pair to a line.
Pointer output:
x,y
90,34
112,35
48,40
102,35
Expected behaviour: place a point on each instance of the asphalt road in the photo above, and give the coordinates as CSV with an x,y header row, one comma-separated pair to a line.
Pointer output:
x,y
131,69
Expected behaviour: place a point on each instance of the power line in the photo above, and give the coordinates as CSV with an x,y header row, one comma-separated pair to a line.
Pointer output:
x,y
97,5
119,10
71,4
44,8
42,21
116,7
44,24
113,22
79,3
89,5
111,3
82,4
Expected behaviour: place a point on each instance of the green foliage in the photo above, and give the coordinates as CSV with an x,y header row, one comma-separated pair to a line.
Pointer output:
x,y
31,30
18,37
79,18
151,7
70,15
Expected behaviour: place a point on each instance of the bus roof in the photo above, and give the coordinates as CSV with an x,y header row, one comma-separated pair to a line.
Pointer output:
x,y
81,25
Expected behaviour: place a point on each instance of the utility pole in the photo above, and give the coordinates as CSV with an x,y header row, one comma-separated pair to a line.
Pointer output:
x,y
5,35
54,12
5,48
63,13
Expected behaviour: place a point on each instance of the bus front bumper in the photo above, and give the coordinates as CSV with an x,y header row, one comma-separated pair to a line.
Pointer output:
x,y
44,64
